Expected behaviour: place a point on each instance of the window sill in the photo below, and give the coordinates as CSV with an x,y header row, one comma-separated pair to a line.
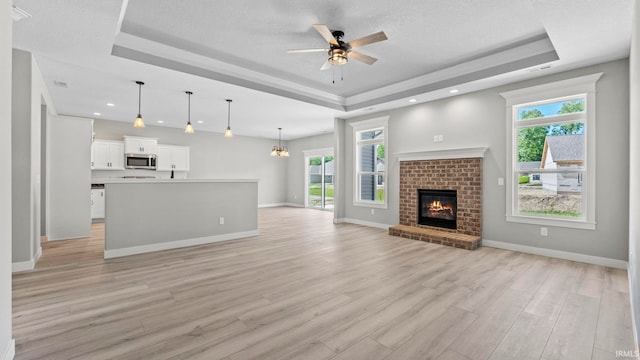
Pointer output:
x,y
573,224
370,204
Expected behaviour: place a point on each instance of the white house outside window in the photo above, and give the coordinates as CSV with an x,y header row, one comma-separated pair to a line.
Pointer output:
x,y
370,180
551,153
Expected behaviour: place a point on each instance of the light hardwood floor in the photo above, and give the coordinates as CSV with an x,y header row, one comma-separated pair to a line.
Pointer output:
x,y
308,289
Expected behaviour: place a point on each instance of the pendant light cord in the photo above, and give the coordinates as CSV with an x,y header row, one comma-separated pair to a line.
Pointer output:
x,y
139,96
228,113
189,110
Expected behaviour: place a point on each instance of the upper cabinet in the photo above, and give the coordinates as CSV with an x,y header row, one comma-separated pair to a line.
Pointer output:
x,y
107,155
173,157
140,145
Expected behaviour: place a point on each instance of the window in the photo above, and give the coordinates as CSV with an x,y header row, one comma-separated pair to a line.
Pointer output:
x,y
370,176
551,155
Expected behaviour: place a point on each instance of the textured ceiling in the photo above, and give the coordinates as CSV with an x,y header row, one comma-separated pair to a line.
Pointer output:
x,y
238,49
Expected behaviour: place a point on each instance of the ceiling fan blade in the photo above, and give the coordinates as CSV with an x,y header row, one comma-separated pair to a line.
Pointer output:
x,y
362,57
369,39
299,51
326,65
326,33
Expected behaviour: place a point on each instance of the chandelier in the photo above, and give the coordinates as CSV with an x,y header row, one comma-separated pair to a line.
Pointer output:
x,y
280,150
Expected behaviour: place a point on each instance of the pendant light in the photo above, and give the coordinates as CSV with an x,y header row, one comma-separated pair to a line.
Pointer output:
x,y
139,123
280,151
189,128
228,133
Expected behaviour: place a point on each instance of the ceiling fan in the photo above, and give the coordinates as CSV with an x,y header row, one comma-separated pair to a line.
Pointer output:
x,y
339,51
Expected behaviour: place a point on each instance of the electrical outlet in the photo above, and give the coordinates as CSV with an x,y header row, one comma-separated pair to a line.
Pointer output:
x,y
501,181
221,221
543,231
373,211
440,138
435,138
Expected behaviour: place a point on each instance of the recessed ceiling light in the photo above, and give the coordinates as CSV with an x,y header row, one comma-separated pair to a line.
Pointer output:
x,y
160,122
111,104
97,113
453,91
412,100
200,122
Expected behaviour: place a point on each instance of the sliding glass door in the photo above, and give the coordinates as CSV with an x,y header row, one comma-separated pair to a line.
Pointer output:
x,y
319,178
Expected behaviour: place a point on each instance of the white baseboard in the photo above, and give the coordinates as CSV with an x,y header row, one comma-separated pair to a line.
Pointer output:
x,y
10,351
272,205
363,223
589,259
68,238
27,265
294,205
633,313
108,254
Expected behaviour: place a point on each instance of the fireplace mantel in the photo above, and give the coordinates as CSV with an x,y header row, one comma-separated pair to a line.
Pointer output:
x,y
439,154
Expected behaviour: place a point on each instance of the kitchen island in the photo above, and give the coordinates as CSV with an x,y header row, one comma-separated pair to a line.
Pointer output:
x,y
145,215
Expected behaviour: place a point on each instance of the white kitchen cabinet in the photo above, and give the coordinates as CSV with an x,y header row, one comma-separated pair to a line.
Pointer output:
x,y
173,157
140,145
97,203
107,155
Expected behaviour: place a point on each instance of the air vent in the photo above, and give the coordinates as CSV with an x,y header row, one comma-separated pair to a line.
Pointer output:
x,y
18,14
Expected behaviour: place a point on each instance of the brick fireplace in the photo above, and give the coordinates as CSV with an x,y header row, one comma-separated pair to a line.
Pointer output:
x,y
457,171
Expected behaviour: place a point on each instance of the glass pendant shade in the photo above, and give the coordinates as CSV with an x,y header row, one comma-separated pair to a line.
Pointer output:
x,y
139,123
189,129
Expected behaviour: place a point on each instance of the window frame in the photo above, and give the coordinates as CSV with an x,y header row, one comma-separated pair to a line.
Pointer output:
x,y
564,89
363,126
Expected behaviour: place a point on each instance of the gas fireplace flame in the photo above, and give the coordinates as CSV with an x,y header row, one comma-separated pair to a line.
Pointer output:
x,y
436,209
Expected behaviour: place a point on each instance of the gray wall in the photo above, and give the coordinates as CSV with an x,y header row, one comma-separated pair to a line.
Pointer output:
x,y
212,156
5,178
21,164
156,213
478,119
296,164
634,168
69,178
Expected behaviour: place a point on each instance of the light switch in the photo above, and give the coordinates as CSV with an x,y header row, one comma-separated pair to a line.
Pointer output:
x,y
501,181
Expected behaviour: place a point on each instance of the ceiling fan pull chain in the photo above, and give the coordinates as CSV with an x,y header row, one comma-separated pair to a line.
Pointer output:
x,y
333,74
341,73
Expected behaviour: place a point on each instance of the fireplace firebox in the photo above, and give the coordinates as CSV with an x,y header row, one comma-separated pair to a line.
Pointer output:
x,y
437,208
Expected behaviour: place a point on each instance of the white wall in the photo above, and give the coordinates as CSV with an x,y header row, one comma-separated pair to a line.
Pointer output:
x,y
634,169
212,156
478,119
69,178
7,346
296,164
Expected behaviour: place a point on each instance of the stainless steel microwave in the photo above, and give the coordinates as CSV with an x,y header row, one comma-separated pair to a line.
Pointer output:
x,y
135,161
